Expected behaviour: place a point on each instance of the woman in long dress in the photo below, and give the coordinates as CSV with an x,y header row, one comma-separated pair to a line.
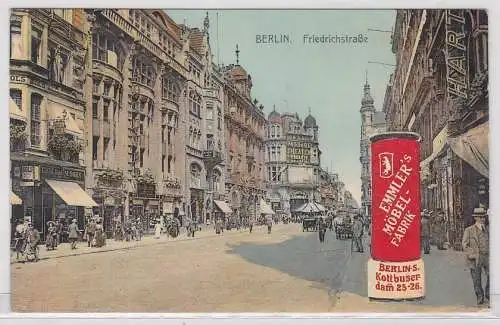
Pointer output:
x,y
157,230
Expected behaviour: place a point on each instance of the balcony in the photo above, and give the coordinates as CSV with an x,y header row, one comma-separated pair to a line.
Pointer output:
x,y
212,157
169,105
107,68
141,89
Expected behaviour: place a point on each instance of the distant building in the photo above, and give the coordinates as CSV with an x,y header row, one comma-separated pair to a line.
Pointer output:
x,y
292,161
372,122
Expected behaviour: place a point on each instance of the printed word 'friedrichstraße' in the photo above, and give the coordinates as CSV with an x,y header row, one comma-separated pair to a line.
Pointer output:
x,y
334,39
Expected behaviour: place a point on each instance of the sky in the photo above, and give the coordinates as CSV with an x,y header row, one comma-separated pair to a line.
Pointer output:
x,y
328,78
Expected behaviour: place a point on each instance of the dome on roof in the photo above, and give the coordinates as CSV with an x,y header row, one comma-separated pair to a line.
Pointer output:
x,y
273,115
238,72
310,122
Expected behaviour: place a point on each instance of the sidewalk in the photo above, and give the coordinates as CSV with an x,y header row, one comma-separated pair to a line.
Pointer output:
x,y
64,250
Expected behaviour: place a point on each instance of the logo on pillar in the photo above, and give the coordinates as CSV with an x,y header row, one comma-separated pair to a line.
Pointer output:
x,y
386,162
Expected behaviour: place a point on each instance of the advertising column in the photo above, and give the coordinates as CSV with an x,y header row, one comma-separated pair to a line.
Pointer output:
x,y
395,270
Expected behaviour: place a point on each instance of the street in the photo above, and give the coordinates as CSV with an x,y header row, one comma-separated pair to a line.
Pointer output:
x,y
286,271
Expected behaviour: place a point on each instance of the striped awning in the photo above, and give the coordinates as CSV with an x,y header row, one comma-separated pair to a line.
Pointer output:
x,y
223,206
265,208
71,193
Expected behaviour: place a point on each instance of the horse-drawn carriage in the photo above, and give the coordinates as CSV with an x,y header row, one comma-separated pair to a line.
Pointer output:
x,y
343,227
309,224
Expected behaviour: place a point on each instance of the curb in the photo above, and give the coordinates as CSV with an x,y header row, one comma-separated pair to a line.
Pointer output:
x,y
154,243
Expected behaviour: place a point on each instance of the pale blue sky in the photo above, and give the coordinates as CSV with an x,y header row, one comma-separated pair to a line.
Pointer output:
x,y
328,78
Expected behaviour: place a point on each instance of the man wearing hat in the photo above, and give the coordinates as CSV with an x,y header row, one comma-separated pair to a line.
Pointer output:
x,y
357,233
425,231
475,244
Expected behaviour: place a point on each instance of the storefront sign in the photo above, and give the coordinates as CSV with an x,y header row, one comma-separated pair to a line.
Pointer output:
x,y
146,190
137,202
395,241
56,172
456,54
27,173
15,78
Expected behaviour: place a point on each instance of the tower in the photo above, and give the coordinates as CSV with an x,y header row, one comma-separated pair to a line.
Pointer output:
x,y
367,112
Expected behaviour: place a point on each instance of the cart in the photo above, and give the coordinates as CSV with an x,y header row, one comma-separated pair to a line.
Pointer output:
x,y
309,224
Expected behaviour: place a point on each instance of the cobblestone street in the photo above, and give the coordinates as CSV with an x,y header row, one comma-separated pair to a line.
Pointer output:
x,y
287,271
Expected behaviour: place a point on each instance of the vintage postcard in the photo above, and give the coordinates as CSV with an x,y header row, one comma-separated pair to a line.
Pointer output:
x,y
318,161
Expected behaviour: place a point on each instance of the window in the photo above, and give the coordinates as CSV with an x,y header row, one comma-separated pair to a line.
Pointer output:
x,y
274,174
142,72
95,108
163,157
16,42
95,86
170,163
17,97
195,175
107,88
36,102
105,111
216,181
36,45
219,119
170,90
194,103
95,142
209,113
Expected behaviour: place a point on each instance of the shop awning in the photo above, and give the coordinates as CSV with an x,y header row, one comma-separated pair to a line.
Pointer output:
x,y
223,206
473,148
57,111
14,199
71,193
15,112
265,208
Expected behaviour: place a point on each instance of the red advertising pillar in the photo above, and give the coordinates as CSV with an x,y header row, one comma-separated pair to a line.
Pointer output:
x,y
395,270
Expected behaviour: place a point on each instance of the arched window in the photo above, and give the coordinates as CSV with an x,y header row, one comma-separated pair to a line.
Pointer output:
x,y
195,175
216,178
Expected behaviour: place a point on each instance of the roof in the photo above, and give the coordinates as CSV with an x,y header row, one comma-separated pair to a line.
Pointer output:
x,y
173,29
310,121
274,116
237,72
196,40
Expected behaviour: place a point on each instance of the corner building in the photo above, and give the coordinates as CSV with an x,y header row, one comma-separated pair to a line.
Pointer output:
x,y
292,161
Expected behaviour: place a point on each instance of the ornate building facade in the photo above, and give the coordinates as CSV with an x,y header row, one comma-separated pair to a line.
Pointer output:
x,y
292,161
135,134
47,112
440,90
372,122
244,135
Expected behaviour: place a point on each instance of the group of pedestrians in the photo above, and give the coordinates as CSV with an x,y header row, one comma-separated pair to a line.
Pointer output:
x,y
357,231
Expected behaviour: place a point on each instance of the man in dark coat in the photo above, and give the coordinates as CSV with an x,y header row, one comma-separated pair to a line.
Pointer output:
x,y
475,243
321,229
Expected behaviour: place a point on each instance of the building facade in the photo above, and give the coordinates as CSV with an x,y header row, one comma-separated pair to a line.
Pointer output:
x,y
372,122
47,113
292,161
244,136
135,133
328,189
439,90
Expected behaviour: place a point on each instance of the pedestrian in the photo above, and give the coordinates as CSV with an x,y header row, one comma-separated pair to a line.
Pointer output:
x,y
59,229
73,234
475,243
250,224
357,233
20,238
321,229
269,224
425,232
99,239
90,230
32,240
218,226
51,236
157,230
439,229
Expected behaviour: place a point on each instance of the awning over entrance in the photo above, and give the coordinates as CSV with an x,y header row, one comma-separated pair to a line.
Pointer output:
x,y
71,193
223,206
472,147
265,208
15,112
57,111
14,199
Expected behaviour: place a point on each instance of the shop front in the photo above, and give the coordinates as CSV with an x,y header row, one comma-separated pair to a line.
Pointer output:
x,y
50,190
222,211
145,206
